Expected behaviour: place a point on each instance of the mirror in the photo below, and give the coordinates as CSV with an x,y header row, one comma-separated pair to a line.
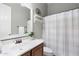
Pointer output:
x,y
14,18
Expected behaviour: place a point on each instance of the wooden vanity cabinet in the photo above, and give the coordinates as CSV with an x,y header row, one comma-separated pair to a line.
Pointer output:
x,y
37,51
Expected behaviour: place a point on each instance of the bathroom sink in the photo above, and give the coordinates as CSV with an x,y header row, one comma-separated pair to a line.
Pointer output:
x,y
16,47
20,46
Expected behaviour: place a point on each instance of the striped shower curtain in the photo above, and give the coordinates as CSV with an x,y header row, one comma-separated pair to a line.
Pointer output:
x,y
61,33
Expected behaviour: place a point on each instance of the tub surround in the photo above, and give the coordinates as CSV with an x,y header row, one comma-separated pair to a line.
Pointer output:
x,y
21,48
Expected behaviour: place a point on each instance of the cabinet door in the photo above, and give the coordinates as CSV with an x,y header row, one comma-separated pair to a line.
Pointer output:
x,y
27,54
38,51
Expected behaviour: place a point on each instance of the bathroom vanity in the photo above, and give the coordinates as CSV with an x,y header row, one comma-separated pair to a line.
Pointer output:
x,y
26,48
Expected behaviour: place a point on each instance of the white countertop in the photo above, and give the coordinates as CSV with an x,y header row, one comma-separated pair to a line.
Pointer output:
x,y
19,49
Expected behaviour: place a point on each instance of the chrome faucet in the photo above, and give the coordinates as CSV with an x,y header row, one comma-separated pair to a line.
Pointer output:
x,y
18,41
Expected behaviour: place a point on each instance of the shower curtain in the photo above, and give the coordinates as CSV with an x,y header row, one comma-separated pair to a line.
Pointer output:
x,y
61,33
